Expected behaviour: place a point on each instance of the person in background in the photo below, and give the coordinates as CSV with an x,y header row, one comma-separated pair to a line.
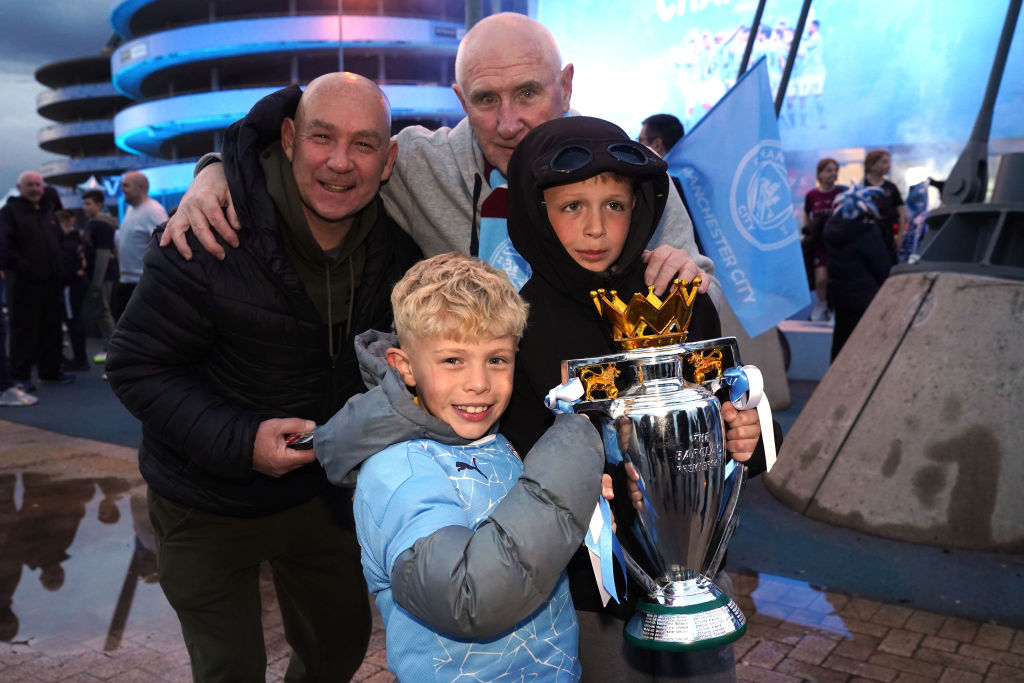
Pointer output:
x,y
34,262
892,216
141,217
75,284
858,259
100,267
817,209
661,132
10,395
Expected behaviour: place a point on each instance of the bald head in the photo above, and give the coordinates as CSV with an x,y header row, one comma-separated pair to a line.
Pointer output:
x,y
339,145
30,186
500,33
329,89
135,187
509,79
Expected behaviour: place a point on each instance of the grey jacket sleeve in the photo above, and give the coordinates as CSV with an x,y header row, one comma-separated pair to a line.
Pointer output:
x,y
480,583
368,423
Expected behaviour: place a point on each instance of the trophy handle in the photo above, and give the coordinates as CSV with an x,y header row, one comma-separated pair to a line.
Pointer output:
x,y
736,477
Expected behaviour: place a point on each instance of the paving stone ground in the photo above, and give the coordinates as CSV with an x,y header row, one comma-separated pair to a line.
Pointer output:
x,y
796,632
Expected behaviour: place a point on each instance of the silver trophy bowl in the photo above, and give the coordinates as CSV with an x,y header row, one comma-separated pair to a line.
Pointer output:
x,y
657,410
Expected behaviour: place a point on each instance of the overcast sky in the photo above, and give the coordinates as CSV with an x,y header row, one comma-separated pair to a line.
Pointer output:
x,y
34,33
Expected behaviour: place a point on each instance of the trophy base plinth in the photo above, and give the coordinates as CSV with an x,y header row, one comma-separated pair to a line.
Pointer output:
x,y
696,625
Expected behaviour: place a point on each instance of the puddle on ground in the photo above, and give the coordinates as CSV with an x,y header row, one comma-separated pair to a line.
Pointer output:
x,y
77,564
76,559
797,602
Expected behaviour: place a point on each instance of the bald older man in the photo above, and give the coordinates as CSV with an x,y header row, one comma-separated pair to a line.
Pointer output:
x,y
448,186
222,360
34,265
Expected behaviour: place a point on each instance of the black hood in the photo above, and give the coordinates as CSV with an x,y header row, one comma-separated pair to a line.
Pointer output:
x,y
529,172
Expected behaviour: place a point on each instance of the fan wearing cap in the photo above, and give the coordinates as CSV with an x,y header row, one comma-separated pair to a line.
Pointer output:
x,y
584,201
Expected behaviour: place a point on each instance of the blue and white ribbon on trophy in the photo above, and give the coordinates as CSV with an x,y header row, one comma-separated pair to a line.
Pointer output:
x,y
746,390
601,542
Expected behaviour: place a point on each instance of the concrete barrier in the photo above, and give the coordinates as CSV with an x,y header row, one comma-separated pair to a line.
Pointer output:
x,y
915,431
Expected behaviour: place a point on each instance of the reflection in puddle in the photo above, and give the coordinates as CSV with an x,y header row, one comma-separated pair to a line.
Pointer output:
x,y
76,558
791,600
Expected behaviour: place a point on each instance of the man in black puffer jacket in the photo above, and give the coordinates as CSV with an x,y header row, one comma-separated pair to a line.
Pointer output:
x,y
221,360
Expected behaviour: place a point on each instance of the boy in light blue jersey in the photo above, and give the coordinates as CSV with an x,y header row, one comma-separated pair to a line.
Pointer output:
x,y
463,546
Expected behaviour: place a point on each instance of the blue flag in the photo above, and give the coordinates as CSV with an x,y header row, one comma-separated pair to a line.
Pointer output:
x,y
734,177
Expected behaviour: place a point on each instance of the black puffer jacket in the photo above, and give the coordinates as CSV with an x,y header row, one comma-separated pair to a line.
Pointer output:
x,y
33,237
858,260
207,350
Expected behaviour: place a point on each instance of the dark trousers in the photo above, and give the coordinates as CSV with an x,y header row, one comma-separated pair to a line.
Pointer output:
x,y
119,298
97,312
209,568
74,296
35,328
5,371
846,318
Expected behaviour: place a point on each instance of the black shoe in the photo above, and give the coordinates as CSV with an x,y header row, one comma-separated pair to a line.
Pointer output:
x,y
25,385
78,365
62,378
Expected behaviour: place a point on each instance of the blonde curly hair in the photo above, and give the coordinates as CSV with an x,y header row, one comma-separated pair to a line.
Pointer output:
x,y
457,297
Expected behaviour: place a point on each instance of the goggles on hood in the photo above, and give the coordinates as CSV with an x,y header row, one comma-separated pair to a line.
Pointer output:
x,y
625,157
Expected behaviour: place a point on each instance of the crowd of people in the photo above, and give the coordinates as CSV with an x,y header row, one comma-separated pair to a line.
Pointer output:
x,y
58,275
329,297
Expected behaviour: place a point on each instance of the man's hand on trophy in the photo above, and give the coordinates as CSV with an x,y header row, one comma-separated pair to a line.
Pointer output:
x,y
665,264
743,429
206,204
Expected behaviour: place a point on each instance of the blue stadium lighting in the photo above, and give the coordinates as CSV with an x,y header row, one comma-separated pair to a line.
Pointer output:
x,y
143,128
134,61
121,13
190,70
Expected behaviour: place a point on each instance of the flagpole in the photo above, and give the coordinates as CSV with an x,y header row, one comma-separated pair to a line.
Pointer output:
x,y
791,58
751,37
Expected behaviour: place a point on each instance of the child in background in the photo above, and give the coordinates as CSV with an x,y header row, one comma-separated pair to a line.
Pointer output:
x,y
75,285
463,546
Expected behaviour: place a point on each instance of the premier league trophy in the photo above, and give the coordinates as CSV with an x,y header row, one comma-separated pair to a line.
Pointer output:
x,y
656,408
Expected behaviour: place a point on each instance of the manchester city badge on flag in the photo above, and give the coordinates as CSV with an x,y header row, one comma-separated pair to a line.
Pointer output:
x,y
734,177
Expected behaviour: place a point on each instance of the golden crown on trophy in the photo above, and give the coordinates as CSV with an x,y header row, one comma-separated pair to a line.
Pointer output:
x,y
647,321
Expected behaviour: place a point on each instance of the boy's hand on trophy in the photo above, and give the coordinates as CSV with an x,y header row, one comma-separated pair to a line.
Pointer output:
x,y
636,496
743,429
608,493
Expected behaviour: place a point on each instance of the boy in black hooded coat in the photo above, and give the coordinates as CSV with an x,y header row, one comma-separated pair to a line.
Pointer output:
x,y
564,323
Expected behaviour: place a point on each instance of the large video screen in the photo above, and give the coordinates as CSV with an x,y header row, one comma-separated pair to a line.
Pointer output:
x,y
869,73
